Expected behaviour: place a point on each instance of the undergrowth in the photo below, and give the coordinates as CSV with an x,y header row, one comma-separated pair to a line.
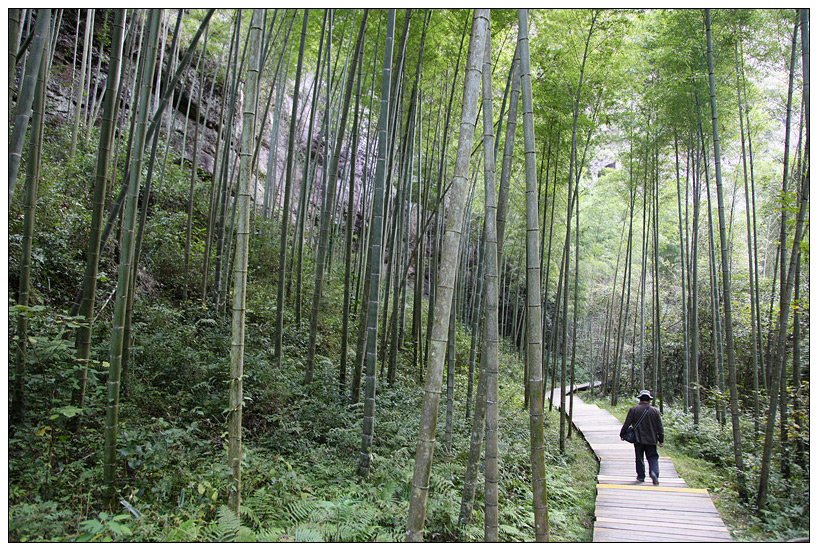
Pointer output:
x,y
301,443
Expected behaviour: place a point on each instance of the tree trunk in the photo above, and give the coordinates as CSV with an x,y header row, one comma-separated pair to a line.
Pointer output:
x,y
289,182
491,341
102,177
350,223
243,206
86,54
307,183
694,291
445,283
534,303
194,167
683,272
778,367
17,406
25,98
126,257
728,315
332,184
375,252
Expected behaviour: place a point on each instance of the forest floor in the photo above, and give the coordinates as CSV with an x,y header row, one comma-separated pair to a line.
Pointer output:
x,y
301,443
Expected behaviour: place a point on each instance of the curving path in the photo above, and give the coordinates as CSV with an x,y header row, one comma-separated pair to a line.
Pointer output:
x,y
631,511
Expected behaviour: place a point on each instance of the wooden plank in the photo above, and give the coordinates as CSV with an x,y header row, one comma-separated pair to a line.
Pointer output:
x,y
657,516
629,477
693,520
627,535
669,483
649,491
634,498
669,524
662,509
627,496
609,431
612,535
629,463
617,509
667,507
631,481
602,427
661,531
653,489
626,467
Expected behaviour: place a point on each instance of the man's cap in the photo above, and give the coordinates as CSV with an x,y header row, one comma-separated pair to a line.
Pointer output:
x,y
645,393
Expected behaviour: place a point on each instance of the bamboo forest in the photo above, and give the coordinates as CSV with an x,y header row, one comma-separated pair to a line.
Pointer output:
x,y
401,275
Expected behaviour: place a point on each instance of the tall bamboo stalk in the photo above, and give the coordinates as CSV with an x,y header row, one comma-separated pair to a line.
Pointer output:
x,y
25,97
17,406
101,179
534,302
332,184
491,341
375,252
288,186
243,207
725,269
450,253
126,256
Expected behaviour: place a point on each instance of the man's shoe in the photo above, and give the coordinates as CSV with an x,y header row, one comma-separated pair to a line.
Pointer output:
x,y
640,479
655,480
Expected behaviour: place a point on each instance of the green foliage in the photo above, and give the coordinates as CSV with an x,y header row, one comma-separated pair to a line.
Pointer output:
x,y
38,520
104,528
708,440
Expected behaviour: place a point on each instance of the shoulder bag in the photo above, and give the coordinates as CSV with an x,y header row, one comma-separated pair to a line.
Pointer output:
x,y
630,432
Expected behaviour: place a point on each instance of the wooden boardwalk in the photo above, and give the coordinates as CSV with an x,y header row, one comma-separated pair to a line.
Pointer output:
x,y
632,511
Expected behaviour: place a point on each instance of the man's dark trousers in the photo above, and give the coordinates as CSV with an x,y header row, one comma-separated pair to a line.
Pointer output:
x,y
653,460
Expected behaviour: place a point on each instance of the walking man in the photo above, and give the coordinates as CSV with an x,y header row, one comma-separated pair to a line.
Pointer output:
x,y
647,423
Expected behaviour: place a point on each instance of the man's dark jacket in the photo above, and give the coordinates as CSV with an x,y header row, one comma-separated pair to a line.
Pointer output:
x,y
650,430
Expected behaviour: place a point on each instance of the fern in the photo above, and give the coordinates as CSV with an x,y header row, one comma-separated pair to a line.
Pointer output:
x,y
228,520
261,507
299,511
440,485
511,533
390,534
270,534
473,532
249,513
388,491
346,520
518,516
246,535
226,527
308,534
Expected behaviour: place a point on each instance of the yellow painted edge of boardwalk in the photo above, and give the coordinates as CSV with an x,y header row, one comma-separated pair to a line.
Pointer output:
x,y
653,488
